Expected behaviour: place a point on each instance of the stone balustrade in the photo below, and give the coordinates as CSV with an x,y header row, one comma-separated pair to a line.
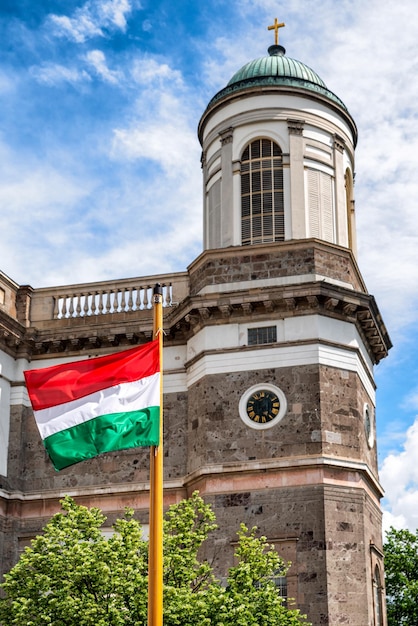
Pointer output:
x,y
105,298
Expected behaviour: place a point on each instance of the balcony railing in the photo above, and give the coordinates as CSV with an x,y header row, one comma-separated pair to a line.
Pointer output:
x,y
105,298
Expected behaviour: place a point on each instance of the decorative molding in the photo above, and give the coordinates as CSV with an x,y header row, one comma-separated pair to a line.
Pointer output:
x,y
339,143
226,135
313,301
290,303
331,303
349,309
225,309
268,305
295,127
204,313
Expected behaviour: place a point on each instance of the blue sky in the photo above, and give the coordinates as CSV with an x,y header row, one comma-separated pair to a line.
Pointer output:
x,y
100,163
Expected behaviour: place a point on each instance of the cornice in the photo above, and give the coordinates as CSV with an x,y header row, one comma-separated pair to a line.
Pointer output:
x,y
267,466
189,316
275,90
247,301
13,335
318,297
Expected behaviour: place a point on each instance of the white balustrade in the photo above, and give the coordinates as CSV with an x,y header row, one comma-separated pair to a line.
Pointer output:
x,y
123,299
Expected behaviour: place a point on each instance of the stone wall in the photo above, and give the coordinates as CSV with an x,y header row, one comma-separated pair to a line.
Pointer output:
x,y
279,260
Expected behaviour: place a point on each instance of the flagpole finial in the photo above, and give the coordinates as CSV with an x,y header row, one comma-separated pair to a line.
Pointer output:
x,y
157,294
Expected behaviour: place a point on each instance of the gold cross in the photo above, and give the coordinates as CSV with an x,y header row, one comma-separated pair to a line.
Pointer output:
x,y
276,27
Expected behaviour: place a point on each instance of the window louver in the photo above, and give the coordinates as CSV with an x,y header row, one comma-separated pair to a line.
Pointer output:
x,y
262,205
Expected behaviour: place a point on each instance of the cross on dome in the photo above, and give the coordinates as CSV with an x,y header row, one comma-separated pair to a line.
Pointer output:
x,y
276,27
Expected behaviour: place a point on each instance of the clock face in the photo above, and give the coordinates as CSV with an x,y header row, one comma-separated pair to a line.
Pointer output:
x,y
263,406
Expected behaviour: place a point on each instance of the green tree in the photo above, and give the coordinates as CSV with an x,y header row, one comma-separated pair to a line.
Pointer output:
x,y
401,573
72,575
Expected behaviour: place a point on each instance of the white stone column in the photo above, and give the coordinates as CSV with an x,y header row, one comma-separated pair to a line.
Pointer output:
x,y
227,209
297,181
341,217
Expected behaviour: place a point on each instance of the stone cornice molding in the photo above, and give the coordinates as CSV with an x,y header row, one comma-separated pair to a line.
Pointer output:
x,y
289,464
250,300
324,298
281,114
13,335
295,126
226,135
339,143
189,316
266,91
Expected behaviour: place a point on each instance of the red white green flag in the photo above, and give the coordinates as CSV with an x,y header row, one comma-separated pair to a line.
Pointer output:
x,y
98,405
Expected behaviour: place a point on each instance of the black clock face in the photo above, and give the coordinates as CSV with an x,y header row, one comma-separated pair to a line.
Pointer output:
x,y
263,406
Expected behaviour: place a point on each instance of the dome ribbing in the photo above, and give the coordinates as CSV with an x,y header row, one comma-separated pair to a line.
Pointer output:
x,y
276,69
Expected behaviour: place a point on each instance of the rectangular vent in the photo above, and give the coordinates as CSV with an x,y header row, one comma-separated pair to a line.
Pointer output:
x,y
265,334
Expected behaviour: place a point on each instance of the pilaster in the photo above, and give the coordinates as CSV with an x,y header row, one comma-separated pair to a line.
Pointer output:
x,y
297,183
341,222
227,212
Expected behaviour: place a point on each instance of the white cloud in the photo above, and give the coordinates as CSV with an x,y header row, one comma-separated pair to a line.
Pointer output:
x,y
399,477
115,12
54,73
162,129
411,401
97,60
79,28
397,521
47,195
166,138
92,20
149,72
35,187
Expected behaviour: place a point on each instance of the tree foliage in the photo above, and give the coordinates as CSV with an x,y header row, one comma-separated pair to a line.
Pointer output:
x,y
401,572
73,575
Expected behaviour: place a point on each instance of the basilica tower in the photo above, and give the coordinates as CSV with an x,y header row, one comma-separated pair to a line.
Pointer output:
x,y
282,394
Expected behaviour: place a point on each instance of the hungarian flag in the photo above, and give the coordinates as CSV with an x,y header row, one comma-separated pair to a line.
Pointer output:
x,y
98,405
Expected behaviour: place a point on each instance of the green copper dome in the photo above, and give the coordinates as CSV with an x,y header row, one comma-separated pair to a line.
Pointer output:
x,y
276,69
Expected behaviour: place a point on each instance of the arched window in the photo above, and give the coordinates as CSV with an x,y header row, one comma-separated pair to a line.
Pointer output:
x,y
377,592
262,207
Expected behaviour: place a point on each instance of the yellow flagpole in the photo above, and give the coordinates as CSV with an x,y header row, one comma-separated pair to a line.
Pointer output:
x,y
155,555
